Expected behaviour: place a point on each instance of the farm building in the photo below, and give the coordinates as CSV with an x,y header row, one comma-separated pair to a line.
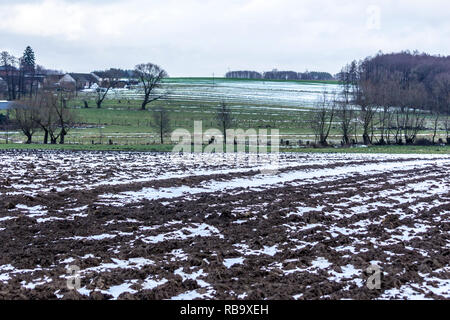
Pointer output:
x,y
79,80
4,104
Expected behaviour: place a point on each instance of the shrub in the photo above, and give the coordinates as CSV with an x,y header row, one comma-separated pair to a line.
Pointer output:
x,y
3,119
423,142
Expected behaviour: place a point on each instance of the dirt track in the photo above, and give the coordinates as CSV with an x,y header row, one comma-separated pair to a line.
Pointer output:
x,y
141,227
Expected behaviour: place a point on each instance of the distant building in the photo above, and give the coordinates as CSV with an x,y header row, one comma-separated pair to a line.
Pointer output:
x,y
51,81
8,70
4,104
79,81
120,78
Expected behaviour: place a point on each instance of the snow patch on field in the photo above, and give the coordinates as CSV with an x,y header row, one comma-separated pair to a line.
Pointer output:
x,y
245,250
207,291
232,261
197,230
265,181
133,263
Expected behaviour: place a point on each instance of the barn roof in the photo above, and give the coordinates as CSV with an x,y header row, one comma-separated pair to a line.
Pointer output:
x,y
83,77
4,104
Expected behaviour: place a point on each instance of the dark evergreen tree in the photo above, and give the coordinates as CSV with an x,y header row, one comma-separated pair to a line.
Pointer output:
x,y
28,67
29,59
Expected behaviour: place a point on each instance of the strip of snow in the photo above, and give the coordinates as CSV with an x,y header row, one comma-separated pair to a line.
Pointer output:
x,y
268,181
232,261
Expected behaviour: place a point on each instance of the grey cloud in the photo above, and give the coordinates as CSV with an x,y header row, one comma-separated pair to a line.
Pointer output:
x,y
197,38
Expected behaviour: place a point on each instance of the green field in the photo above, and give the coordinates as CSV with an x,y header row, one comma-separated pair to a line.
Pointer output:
x,y
183,80
120,121
169,147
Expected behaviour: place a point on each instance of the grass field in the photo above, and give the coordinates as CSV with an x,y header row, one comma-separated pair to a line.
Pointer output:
x,y
211,79
169,148
256,104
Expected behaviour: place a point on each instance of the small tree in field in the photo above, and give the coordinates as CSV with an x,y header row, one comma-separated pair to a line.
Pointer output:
x,y
161,121
47,119
26,115
447,128
322,119
224,118
150,76
46,111
65,117
346,116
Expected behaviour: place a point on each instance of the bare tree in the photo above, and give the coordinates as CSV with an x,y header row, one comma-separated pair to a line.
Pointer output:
x,y
46,111
100,97
368,108
322,119
110,80
346,116
366,115
398,126
441,90
385,97
447,128
150,75
3,89
161,121
26,115
49,120
43,119
348,79
436,115
65,117
10,75
412,123
224,117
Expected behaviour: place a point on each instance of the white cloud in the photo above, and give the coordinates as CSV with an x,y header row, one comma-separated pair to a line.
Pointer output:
x,y
199,37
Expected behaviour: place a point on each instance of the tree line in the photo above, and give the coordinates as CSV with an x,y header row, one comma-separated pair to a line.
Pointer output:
x,y
390,98
279,75
46,111
402,80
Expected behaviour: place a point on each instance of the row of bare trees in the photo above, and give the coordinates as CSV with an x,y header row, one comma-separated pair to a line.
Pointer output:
x,y
161,120
46,111
376,124
388,99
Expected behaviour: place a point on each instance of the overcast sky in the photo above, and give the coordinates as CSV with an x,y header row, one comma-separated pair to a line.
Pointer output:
x,y
202,37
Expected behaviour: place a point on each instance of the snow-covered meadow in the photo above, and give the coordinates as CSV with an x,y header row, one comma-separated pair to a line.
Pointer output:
x,y
277,94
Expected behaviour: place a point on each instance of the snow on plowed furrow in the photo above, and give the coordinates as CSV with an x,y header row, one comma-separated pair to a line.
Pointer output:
x,y
309,231
32,172
268,181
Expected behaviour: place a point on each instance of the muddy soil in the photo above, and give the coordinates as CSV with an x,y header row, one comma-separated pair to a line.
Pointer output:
x,y
289,237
